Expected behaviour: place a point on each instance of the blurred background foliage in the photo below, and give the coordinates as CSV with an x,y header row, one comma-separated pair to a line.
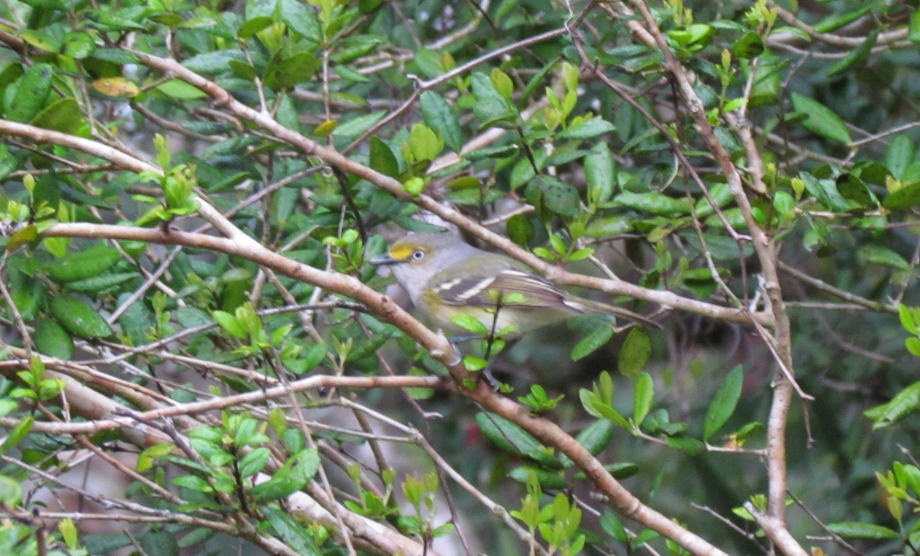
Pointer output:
x,y
553,158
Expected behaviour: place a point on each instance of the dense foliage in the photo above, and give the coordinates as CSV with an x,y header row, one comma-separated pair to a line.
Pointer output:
x,y
197,355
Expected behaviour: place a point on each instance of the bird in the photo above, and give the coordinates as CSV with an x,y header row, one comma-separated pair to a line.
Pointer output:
x,y
446,277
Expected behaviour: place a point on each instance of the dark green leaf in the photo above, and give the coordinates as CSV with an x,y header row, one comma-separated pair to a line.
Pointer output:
x,y
587,129
839,19
749,46
906,197
302,20
159,543
691,446
78,318
589,344
33,91
600,174
294,534
17,433
913,34
856,55
821,120
489,103
857,530
555,195
723,405
512,438
654,203
877,254
253,26
80,265
440,119
215,62
520,229
356,126
547,479
904,403
643,397
899,154
78,45
635,353
51,339
382,158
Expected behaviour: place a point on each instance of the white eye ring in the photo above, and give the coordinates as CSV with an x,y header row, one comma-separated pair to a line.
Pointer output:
x,y
418,254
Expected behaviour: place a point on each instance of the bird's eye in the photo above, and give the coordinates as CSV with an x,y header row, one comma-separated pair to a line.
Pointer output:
x,y
418,255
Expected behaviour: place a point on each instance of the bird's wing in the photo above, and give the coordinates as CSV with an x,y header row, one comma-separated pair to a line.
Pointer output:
x,y
492,291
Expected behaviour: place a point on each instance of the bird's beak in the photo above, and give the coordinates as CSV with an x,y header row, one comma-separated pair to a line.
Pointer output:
x,y
383,260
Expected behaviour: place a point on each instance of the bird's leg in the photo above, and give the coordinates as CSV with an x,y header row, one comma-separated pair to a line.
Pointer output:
x,y
487,375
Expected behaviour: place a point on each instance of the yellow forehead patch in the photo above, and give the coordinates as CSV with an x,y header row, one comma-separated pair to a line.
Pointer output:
x,y
401,252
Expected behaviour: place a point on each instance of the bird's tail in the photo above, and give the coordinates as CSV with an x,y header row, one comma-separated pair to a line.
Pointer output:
x,y
589,306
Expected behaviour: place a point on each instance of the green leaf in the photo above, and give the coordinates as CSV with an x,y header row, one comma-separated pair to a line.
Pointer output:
x,y
502,83
356,126
49,4
635,353
489,103
820,119
159,543
254,461
655,203
899,154
292,70
294,534
556,196
767,79
826,192
909,319
883,256
522,173
253,26
470,324
547,479
723,405
424,144
596,436
856,55
512,438
302,20
17,433
229,323
691,446
913,34
181,90
213,62
78,318
906,197
34,89
643,397
78,45
10,491
857,530
587,129
600,174
292,476
80,265
904,403
520,229
838,19
382,158
62,115
749,46
439,118
588,345
51,339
